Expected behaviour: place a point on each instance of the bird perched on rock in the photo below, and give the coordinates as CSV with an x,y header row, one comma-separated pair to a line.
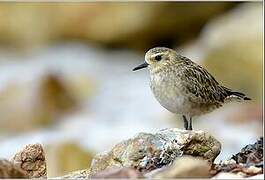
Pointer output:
x,y
183,87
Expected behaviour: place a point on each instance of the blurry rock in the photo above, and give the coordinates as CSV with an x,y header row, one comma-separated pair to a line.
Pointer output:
x,y
16,28
54,97
39,102
15,108
233,49
146,151
137,25
32,160
9,170
66,157
186,167
80,86
118,172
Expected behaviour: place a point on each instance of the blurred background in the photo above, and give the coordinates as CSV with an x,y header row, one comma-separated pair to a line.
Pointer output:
x,y
66,77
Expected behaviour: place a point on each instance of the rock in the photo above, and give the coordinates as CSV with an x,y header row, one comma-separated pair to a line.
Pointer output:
x,y
66,157
81,174
9,170
28,163
248,162
118,172
252,170
146,151
55,97
32,160
113,172
40,102
16,106
252,154
137,25
186,167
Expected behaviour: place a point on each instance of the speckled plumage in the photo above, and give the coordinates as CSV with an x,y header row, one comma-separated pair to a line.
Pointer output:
x,y
184,87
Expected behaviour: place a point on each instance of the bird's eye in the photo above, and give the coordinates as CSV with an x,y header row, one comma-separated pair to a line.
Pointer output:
x,y
158,57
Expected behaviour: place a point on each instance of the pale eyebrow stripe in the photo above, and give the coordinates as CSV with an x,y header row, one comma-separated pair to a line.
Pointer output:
x,y
156,54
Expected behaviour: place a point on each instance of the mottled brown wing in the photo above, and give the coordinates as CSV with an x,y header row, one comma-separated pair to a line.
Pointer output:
x,y
201,84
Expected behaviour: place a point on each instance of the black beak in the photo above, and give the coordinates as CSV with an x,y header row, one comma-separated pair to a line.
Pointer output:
x,y
144,65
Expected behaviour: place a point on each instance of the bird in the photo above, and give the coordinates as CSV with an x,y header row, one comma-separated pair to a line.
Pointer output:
x,y
184,87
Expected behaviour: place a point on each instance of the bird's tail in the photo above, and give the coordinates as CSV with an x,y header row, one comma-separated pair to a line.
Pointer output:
x,y
234,95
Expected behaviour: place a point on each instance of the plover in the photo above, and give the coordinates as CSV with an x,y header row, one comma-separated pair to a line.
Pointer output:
x,y
184,87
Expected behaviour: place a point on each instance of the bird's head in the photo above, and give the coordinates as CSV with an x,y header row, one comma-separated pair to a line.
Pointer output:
x,y
157,58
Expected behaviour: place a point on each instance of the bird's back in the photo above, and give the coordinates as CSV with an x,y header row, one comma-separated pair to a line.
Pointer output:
x,y
199,91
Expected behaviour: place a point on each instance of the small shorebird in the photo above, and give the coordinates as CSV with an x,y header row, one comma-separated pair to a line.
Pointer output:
x,y
183,87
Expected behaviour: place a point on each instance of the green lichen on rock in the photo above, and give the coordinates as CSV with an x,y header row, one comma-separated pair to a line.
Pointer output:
x,y
203,145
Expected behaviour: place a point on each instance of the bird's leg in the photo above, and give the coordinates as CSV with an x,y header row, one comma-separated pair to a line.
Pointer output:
x,y
190,124
186,122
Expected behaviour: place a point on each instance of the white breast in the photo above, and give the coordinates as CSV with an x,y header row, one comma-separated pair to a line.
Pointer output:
x,y
167,90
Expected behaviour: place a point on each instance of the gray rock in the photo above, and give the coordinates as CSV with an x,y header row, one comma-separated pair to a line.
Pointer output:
x,y
146,151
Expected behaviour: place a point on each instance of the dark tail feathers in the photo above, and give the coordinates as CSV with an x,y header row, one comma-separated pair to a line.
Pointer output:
x,y
239,94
